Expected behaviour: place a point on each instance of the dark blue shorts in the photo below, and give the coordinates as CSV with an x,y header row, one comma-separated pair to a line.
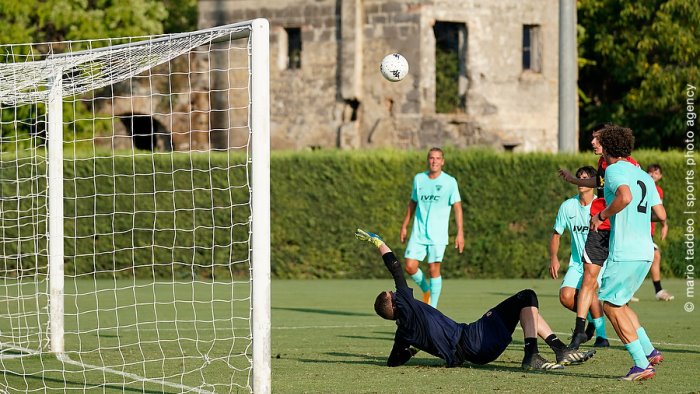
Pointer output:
x,y
486,339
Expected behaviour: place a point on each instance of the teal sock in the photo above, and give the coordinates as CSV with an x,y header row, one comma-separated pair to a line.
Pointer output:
x,y
637,352
589,318
419,278
599,324
435,289
645,341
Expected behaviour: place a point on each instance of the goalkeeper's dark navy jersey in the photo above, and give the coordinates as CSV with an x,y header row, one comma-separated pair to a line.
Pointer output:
x,y
426,328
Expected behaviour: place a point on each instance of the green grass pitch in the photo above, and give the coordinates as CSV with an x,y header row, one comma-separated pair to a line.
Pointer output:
x,y
327,339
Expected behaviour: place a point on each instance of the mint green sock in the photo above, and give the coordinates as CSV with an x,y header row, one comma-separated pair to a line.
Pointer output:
x,y
599,324
435,289
419,278
637,352
645,341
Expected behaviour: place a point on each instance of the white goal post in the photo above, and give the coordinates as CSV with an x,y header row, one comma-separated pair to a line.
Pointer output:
x,y
135,213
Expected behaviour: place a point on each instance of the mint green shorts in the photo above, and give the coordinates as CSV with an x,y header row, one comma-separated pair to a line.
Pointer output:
x,y
574,275
622,279
418,252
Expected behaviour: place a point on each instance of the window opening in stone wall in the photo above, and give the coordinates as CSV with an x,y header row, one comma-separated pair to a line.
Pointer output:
x,y
532,59
450,66
147,133
293,48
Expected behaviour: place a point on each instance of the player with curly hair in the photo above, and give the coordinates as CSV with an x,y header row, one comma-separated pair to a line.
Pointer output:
x,y
596,248
631,198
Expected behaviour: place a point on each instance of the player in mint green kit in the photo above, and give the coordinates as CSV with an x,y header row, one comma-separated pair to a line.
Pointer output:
x,y
434,194
574,216
631,197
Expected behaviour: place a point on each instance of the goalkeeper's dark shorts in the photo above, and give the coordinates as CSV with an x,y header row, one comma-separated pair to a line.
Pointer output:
x,y
487,338
596,249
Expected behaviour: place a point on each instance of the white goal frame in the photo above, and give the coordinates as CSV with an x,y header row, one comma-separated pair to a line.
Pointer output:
x,y
260,203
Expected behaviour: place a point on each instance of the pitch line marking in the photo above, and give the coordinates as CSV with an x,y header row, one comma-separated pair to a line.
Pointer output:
x,y
517,328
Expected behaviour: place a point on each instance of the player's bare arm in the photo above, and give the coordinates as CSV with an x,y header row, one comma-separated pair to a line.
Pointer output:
x,y
658,211
410,209
569,177
664,229
553,258
623,196
459,239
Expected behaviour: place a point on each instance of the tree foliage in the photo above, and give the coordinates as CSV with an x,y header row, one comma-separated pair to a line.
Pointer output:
x,y
41,21
61,20
639,56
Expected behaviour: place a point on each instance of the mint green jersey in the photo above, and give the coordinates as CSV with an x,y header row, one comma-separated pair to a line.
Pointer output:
x,y
575,218
434,199
630,234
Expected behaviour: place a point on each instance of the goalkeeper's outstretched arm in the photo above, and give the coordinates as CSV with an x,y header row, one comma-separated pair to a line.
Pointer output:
x,y
390,261
400,354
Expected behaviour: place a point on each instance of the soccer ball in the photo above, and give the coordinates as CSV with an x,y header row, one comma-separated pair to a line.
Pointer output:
x,y
394,67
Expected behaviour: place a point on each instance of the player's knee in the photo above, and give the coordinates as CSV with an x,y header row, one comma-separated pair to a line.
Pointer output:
x,y
529,298
566,299
590,279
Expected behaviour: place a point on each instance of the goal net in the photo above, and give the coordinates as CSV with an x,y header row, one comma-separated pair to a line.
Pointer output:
x,y
134,213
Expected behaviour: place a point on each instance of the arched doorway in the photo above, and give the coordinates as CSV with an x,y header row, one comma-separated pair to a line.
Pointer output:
x,y
147,133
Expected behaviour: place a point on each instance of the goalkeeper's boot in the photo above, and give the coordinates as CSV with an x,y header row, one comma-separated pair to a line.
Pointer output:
x,y
577,338
537,362
363,235
426,297
568,356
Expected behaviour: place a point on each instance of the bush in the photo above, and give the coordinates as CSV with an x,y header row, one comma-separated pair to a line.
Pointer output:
x,y
317,201
509,202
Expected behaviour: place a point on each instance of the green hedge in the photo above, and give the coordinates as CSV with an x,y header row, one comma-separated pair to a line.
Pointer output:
x,y
509,203
143,216
119,226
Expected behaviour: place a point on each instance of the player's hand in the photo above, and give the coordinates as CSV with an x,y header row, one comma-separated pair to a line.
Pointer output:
x,y
566,175
363,235
459,242
554,268
402,235
595,223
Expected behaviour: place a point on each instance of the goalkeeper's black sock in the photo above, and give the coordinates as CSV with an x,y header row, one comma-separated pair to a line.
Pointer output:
x,y
554,342
580,325
530,347
657,286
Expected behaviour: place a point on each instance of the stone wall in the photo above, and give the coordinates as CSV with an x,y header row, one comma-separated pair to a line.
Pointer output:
x,y
339,99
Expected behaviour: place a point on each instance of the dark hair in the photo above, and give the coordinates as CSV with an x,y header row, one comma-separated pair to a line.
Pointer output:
x,y
588,170
601,126
617,141
383,306
654,167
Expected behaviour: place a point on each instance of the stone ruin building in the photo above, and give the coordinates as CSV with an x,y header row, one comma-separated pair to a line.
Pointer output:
x,y
500,59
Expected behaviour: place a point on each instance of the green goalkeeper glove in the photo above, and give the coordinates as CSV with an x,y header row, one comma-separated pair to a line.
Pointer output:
x,y
363,235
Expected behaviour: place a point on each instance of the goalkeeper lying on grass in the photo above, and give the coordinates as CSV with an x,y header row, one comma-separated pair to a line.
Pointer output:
x,y
423,327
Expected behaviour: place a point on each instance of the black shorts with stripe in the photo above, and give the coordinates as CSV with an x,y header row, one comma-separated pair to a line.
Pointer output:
x,y
596,250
